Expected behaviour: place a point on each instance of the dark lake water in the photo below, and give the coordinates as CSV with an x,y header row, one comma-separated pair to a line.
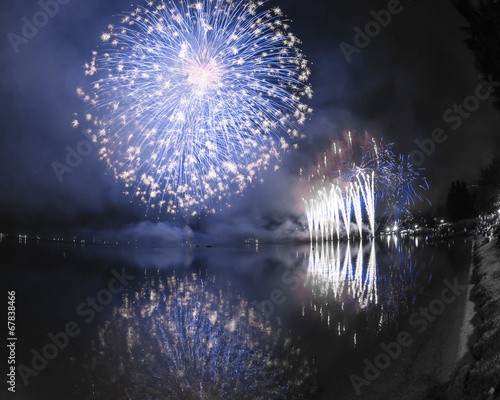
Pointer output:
x,y
248,322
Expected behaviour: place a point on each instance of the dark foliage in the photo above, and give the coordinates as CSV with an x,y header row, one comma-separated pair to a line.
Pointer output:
x,y
459,203
483,30
488,190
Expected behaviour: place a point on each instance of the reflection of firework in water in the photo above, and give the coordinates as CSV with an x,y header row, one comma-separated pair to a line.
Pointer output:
x,y
337,194
189,338
190,97
341,278
347,289
342,289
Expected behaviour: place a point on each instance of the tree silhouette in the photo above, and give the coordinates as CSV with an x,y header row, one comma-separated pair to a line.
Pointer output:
x,y
459,203
488,191
483,17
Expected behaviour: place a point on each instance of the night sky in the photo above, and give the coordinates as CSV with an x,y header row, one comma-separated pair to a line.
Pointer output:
x,y
398,87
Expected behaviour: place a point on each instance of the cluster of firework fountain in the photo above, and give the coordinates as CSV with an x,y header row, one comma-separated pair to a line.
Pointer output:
x,y
191,99
350,193
332,208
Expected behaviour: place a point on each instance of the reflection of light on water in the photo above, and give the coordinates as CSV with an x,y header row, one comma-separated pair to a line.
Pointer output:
x,y
347,292
344,278
191,337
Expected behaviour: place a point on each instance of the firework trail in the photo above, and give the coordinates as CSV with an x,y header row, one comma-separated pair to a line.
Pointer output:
x,y
192,99
356,202
367,183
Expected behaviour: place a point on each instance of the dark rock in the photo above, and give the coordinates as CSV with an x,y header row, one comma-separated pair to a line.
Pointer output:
x,y
457,386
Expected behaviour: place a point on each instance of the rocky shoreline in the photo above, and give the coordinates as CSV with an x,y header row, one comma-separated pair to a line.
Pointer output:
x,y
477,375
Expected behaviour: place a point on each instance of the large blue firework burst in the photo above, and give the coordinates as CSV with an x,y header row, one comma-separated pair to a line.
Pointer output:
x,y
191,100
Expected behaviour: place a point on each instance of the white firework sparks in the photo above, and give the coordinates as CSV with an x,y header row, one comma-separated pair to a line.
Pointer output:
x,y
191,99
